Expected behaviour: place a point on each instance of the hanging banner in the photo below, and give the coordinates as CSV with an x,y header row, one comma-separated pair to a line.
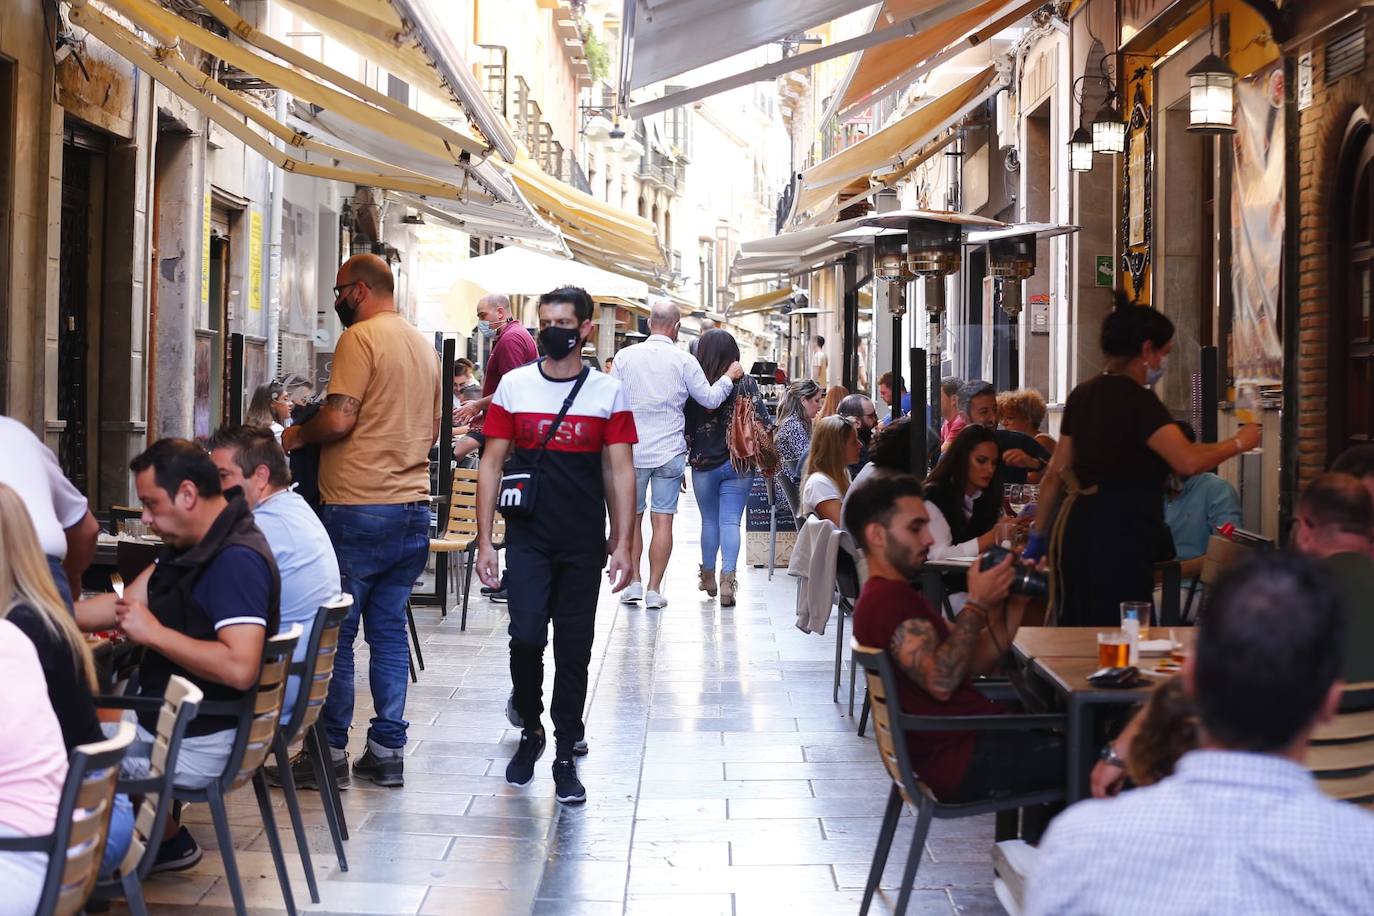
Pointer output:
x,y
205,251
1257,229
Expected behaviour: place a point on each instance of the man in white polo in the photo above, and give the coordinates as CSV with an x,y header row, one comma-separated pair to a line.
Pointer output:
x,y
659,378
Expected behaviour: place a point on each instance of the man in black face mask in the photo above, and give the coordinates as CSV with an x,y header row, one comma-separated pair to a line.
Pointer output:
x,y
374,430
555,553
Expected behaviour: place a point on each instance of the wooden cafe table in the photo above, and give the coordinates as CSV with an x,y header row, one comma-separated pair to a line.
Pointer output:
x,y
1062,658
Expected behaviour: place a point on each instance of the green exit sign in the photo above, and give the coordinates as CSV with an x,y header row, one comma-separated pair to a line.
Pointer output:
x,y
1106,270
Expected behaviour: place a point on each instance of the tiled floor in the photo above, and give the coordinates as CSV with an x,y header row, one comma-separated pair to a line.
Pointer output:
x,y
722,780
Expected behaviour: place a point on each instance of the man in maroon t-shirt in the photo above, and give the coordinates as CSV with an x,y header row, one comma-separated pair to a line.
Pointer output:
x,y
937,661
514,347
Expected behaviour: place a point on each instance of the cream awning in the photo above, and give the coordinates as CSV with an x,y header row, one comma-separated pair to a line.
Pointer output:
x,y
761,302
517,271
890,149
596,232
878,72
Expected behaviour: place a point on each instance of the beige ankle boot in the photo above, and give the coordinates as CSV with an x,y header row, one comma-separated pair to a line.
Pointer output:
x,y
727,589
707,580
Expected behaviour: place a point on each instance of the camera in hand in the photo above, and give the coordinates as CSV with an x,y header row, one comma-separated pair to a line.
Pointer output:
x,y
1025,578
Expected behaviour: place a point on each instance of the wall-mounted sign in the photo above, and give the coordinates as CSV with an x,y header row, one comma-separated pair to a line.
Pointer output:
x,y
1106,271
1040,313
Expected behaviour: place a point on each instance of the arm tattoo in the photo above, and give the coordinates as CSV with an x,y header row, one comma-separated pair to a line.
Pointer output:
x,y
343,404
937,668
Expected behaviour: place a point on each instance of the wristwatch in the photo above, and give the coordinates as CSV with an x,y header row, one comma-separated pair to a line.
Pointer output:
x,y
1109,756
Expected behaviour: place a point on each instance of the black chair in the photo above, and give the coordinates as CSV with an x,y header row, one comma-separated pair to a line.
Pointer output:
x,y
314,672
847,584
258,714
892,726
179,704
77,842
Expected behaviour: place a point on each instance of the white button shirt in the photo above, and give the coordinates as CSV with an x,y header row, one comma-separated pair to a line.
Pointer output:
x,y
1229,832
659,377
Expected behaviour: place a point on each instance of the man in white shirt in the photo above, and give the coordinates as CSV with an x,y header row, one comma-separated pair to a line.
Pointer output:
x,y
66,528
1241,826
249,457
659,378
820,363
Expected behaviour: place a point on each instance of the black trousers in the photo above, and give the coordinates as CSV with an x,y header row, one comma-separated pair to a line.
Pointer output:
x,y
552,584
1010,763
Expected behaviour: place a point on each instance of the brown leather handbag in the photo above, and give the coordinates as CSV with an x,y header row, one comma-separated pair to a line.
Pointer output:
x,y
750,440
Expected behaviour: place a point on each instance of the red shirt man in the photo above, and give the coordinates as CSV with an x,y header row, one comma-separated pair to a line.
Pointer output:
x,y
514,347
937,661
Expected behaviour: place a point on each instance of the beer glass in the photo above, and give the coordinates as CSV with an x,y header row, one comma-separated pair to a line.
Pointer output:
x,y
1113,649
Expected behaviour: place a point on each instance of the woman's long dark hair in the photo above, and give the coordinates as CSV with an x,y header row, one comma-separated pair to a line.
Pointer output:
x,y
948,482
716,350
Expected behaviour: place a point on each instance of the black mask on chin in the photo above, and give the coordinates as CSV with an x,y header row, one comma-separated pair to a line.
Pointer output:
x,y
347,311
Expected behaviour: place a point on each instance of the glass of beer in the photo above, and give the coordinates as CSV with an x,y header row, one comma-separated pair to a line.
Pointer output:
x,y
1136,614
1113,649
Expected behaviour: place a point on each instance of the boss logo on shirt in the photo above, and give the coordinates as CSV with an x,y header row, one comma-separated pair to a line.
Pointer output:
x,y
574,434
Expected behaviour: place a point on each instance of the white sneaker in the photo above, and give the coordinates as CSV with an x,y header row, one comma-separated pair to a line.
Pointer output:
x,y
633,594
653,599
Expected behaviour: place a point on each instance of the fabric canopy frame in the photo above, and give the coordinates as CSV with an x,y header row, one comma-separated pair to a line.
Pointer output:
x,y
761,302
879,72
890,150
162,65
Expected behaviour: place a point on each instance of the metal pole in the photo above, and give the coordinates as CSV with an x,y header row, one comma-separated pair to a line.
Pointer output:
x,y
896,367
850,329
919,446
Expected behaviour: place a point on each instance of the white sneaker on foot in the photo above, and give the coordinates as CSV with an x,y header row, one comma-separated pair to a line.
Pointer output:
x,y
633,594
653,599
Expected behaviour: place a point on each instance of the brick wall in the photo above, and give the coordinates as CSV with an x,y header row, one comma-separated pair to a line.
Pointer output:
x,y
1322,129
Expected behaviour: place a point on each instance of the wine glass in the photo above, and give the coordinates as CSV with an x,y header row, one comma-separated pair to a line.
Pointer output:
x,y
1018,498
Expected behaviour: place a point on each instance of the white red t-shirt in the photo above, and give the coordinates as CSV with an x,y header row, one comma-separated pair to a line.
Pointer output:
x,y
570,505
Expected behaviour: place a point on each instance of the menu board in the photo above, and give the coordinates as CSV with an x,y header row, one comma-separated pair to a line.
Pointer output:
x,y
756,510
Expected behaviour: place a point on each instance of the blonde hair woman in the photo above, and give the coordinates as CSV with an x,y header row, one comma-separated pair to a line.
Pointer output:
x,y
29,599
825,478
1023,411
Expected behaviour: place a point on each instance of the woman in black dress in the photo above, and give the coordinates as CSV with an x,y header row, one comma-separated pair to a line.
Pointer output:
x,y
1104,528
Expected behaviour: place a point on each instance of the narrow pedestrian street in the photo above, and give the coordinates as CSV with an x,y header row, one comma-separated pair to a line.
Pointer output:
x,y
722,780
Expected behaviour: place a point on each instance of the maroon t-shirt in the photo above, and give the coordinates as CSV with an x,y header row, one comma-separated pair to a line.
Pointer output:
x,y
514,348
940,758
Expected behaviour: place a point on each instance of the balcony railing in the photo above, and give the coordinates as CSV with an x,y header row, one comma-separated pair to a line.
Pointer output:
x,y
494,72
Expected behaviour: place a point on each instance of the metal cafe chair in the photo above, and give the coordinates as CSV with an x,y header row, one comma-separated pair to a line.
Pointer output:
x,y
258,714
1341,754
179,704
77,842
892,726
314,672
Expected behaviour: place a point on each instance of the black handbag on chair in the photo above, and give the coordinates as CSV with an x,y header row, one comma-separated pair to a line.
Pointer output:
x,y
515,498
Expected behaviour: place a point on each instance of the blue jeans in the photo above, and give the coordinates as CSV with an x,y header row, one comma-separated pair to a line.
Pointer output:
x,y
120,833
381,552
721,494
59,578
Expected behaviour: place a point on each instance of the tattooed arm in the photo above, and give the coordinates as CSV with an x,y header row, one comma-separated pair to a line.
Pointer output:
x,y
334,421
937,667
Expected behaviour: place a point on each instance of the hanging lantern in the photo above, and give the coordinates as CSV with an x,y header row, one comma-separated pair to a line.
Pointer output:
x,y
1211,97
1109,130
1012,258
889,259
933,248
1081,150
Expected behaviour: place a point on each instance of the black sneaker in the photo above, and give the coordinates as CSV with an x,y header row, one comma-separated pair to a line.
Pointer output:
x,y
177,854
303,772
499,596
384,771
580,749
512,714
520,770
567,787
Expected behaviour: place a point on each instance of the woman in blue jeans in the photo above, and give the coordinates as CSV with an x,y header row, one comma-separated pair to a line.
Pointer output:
x,y
721,488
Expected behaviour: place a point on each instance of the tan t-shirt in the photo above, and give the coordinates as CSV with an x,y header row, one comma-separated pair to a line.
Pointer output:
x,y
387,365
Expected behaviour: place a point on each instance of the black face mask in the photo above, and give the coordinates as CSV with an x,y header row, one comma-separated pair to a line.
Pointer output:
x,y
347,311
558,342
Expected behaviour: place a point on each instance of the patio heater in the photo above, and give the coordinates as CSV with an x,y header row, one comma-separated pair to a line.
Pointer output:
x,y
934,251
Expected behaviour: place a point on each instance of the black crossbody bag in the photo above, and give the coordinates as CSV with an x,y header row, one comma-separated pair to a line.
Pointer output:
x,y
520,482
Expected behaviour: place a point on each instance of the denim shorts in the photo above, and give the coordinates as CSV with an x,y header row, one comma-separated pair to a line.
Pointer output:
x,y
666,483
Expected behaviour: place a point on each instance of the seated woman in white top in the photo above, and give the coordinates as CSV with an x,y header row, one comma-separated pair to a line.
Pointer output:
x,y
825,479
32,768
964,496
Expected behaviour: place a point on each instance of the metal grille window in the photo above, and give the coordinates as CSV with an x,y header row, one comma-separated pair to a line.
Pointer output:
x,y
1345,55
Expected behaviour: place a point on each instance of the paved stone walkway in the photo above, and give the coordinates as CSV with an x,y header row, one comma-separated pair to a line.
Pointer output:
x,y
722,781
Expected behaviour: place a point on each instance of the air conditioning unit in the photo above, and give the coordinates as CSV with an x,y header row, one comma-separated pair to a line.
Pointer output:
x,y
1007,110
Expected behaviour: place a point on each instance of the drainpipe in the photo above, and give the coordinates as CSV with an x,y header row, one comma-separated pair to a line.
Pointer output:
x,y
274,232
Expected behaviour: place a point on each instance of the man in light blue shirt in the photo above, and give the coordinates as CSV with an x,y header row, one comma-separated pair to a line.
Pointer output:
x,y
249,457
1194,508
1241,826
